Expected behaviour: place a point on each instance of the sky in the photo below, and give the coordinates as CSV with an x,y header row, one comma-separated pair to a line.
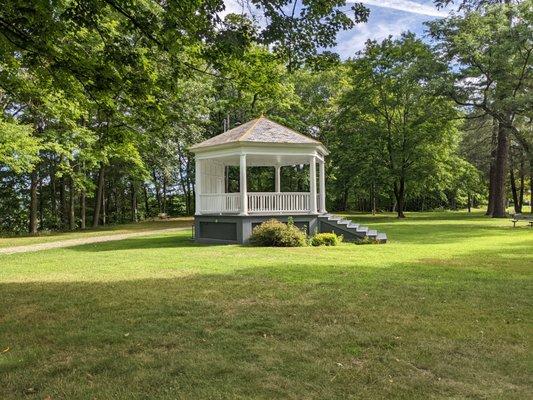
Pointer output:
x,y
387,17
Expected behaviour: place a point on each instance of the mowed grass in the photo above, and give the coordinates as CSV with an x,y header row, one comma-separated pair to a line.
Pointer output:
x,y
444,310
44,237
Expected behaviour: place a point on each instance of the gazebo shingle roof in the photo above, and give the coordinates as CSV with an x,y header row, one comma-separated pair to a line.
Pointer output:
x,y
259,130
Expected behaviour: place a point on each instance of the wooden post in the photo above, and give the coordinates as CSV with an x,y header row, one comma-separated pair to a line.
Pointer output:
x,y
312,184
198,185
242,185
322,182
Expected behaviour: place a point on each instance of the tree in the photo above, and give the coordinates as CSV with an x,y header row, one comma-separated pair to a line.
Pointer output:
x,y
393,108
19,149
115,89
489,54
298,30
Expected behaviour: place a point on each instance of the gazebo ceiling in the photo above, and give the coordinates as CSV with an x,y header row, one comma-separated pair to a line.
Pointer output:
x,y
260,131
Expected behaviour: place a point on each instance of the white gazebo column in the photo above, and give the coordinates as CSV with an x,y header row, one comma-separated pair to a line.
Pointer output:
x,y
322,187
278,179
198,185
312,184
242,185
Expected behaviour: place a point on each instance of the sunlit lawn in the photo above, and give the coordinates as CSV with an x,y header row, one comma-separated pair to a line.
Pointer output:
x,y
442,311
43,237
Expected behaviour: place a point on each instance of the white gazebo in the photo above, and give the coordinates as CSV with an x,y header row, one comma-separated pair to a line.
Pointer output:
x,y
257,143
230,217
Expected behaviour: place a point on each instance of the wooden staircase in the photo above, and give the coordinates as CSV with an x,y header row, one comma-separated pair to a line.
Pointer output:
x,y
349,229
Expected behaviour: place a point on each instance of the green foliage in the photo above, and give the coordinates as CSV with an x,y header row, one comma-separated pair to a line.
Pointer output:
x,y
366,240
274,233
489,51
19,149
326,239
400,130
121,89
297,35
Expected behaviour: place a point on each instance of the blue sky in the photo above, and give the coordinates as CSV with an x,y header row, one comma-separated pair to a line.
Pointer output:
x,y
387,17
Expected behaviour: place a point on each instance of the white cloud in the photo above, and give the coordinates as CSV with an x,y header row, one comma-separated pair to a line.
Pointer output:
x,y
351,41
383,22
408,6
232,7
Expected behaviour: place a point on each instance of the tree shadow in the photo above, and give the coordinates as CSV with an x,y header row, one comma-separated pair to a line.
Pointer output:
x,y
261,332
179,239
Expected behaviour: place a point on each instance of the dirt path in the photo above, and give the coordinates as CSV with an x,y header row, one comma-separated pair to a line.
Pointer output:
x,y
88,240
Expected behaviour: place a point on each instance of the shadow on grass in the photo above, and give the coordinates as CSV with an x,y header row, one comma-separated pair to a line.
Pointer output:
x,y
147,225
181,239
247,335
399,233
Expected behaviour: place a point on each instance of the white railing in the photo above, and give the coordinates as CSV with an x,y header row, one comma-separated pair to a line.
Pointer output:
x,y
230,203
220,203
278,202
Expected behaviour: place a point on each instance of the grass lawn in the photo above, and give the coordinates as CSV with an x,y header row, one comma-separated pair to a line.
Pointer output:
x,y
9,241
442,311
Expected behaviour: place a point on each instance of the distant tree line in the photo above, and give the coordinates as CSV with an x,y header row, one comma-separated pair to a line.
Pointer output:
x,y
101,100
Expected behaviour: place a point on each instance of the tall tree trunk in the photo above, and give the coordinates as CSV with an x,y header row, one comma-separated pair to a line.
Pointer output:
x,y
99,196
133,202
164,197
191,190
531,186
399,194
184,162
83,209
344,198
41,205
374,205
500,174
71,215
522,186
32,227
53,191
492,170
157,194
469,200
146,202
105,204
514,191
62,203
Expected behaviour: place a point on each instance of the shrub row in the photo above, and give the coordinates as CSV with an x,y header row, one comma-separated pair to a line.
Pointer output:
x,y
273,233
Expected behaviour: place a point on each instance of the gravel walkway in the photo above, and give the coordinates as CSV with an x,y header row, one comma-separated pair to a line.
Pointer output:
x,y
88,240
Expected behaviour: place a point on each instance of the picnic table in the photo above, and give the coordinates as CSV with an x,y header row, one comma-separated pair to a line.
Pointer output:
x,y
522,217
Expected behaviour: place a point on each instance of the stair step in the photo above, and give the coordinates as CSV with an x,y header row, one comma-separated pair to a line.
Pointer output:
x,y
382,237
359,229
